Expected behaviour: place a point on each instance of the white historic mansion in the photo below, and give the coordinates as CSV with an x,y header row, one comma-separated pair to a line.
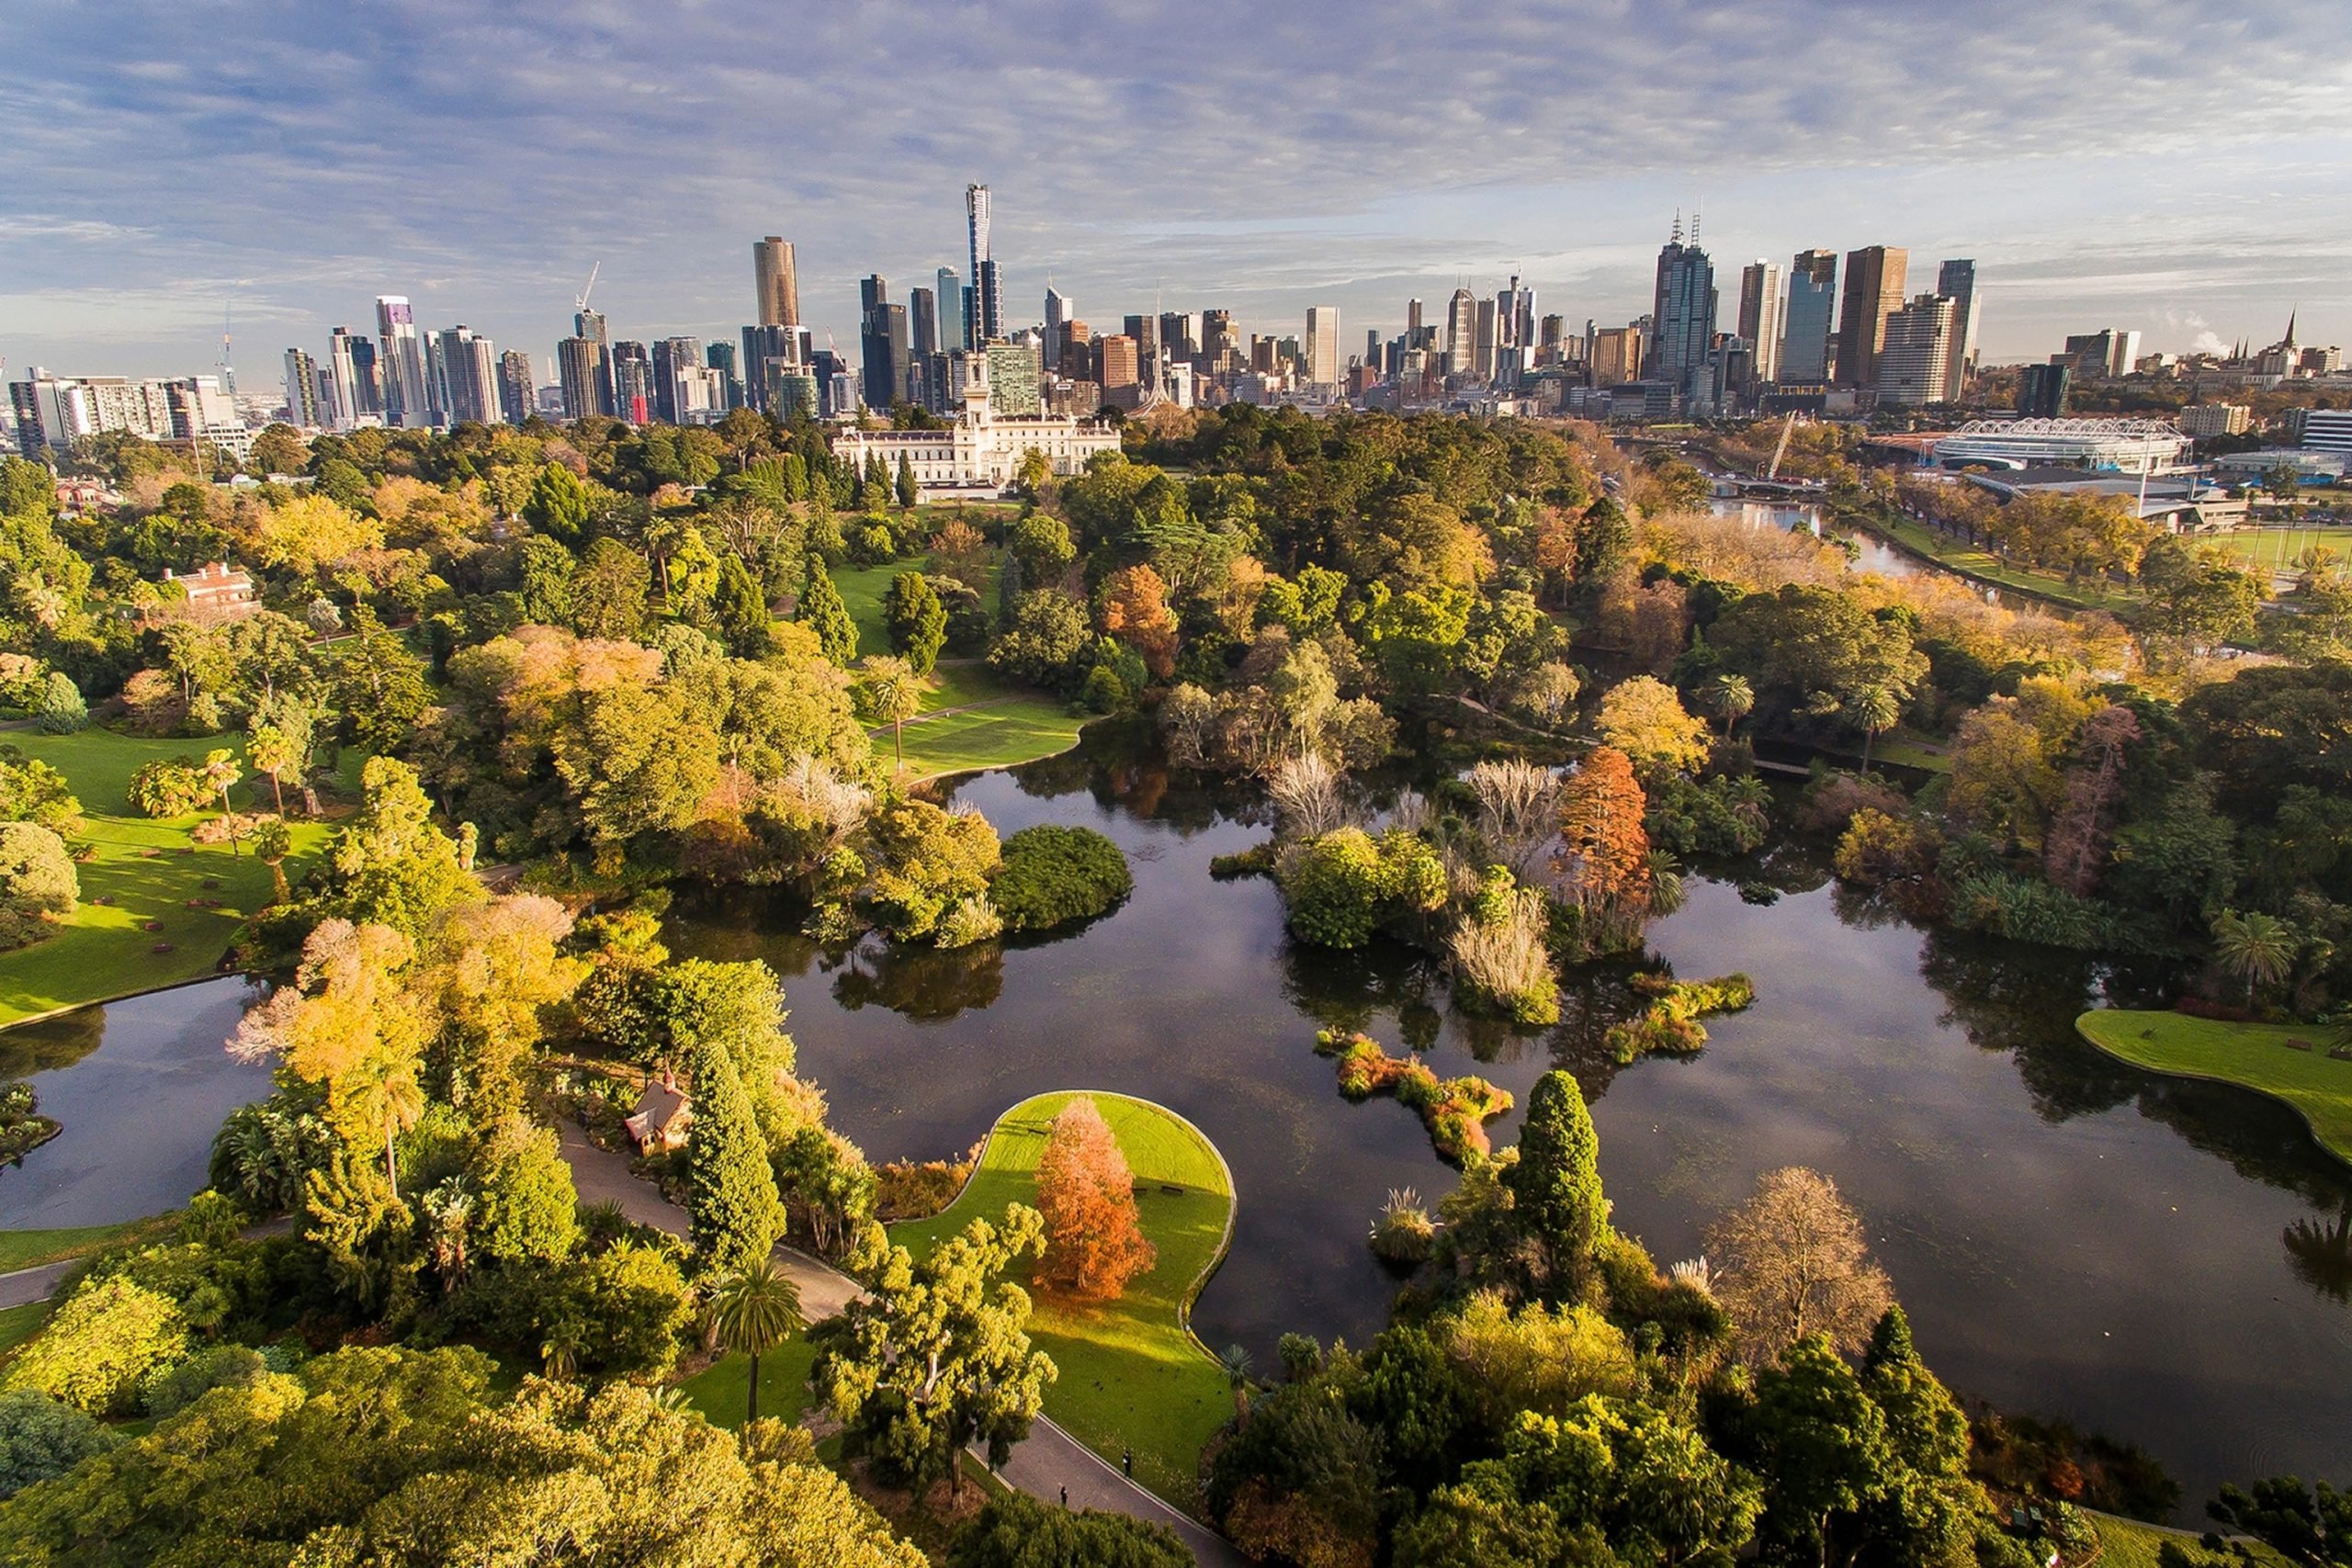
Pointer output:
x,y
980,449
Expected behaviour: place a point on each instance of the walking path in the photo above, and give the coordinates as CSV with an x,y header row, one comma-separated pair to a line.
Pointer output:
x,y
35,1284
1050,1465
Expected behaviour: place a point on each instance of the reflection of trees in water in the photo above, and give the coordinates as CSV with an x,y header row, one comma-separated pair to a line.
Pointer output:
x,y
737,924
52,1042
2320,1252
921,982
1346,990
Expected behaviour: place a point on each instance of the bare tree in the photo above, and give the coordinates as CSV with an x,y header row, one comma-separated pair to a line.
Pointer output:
x,y
1307,796
1792,1261
1518,811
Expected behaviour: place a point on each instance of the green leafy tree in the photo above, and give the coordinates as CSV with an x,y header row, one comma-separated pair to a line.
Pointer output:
x,y
41,1439
742,610
733,1211
391,865
530,1210
103,1342
905,483
2312,1525
1824,1443
938,1356
2257,948
37,885
917,619
754,1311
891,693
1555,1185
1015,1530
609,591
1041,543
1044,643
273,755
822,612
560,504
378,684
62,710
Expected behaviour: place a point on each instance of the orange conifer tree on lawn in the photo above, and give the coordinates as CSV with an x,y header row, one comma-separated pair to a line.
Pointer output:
x,y
1094,1243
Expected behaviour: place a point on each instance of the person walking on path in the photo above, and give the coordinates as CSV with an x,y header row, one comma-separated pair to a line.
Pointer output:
x,y
1065,1499
1128,1462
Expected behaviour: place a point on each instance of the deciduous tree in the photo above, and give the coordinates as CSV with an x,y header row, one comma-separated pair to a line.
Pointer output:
x,y
1794,1262
1095,1240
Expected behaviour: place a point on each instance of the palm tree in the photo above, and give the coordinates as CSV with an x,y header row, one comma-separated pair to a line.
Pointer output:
x,y
385,1087
273,843
1733,697
892,694
559,1353
270,750
1238,1367
1668,891
756,1310
2258,948
220,771
1875,708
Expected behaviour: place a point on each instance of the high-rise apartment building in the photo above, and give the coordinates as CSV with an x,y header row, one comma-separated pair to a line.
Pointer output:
x,y
518,391
1805,333
1323,346
400,362
1059,312
674,361
632,382
1013,370
883,348
1683,312
1915,361
984,319
351,371
1121,366
303,390
1461,333
1176,340
1956,281
1616,355
1761,308
775,275
464,383
1874,279
1217,338
585,377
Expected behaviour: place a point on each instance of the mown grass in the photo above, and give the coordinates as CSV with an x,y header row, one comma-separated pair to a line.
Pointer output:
x,y
32,1248
106,951
1131,1376
2089,593
2128,1543
2254,1056
722,1390
18,1323
2278,547
1006,733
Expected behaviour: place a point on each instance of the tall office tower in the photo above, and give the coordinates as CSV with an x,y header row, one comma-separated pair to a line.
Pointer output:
x,y
323,385
986,322
585,377
1805,340
632,382
518,392
1059,312
1552,333
1323,346
1176,339
1461,331
401,362
1412,320
1523,334
351,369
1217,338
1372,351
883,355
872,290
302,390
2041,390
1874,279
951,309
1956,281
778,281
1684,322
1482,354
465,377
1121,366
720,356
1761,306
1012,372
922,323
1916,356
765,350
1616,355
673,357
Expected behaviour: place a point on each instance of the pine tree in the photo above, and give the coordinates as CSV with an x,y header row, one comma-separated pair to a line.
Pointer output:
x,y
917,619
742,609
822,612
906,481
1556,1184
734,1213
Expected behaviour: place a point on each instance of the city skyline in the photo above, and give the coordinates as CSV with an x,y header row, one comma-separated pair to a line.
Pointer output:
x,y
2204,224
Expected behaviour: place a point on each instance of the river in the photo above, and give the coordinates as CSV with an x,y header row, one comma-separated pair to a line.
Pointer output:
x,y
1871,553
2071,1238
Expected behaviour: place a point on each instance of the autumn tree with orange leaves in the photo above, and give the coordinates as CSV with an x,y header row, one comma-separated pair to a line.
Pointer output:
x,y
1135,610
1094,1242
1603,860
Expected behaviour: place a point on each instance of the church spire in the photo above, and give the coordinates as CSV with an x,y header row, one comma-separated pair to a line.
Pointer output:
x,y
2291,328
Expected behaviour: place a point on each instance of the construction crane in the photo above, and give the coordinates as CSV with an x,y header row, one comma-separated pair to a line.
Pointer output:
x,y
580,300
1782,449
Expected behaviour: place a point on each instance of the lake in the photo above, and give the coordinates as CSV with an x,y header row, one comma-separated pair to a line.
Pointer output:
x,y
2071,1238
139,1088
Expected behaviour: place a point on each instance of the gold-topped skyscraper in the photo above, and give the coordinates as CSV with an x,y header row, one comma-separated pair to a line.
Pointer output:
x,y
779,286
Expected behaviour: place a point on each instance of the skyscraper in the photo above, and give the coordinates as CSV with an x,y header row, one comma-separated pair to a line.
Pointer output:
x,y
1956,281
951,309
400,362
1412,320
720,356
518,394
1176,339
673,358
1761,306
985,318
1684,313
1461,331
302,390
883,346
1059,312
1217,338
922,323
632,382
1916,356
2041,390
778,281
1120,368
466,377
1874,279
1323,346
351,371
1805,340
1482,351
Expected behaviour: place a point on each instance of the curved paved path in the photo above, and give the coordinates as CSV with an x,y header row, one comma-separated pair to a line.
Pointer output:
x,y
1049,1465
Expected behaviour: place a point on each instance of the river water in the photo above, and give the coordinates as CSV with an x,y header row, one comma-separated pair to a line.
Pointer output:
x,y
1873,554
2071,1238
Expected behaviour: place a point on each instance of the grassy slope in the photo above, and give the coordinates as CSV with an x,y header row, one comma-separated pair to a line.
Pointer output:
x,y
2128,1543
720,1390
27,1249
104,951
1984,565
1130,1373
2253,1054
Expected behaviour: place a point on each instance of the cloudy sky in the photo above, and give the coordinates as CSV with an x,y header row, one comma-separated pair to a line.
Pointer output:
x,y
2178,167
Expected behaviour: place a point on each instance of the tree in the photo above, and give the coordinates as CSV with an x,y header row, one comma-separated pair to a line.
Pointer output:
x,y
905,483
391,865
1015,1530
891,693
917,620
1644,719
220,775
273,841
1823,1444
754,1310
1873,705
937,1357
279,449
560,505
1095,1240
312,531
61,709
41,1439
1043,643
2308,1526
103,1342
378,684
530,1210
1794,1263
609,591
1556,1186
733,1211
1732,698
2257,948
273,753
1041,543
742,610
37,885
1604,851
822,612
1135,610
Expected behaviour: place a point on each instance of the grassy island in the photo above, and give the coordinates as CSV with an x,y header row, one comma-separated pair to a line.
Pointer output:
x,y
2287,1062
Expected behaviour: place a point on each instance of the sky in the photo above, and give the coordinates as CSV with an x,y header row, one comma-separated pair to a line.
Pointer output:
x,y
2177,166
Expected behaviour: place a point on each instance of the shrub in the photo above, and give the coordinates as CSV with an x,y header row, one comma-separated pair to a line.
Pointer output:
x,y
904,1189
1456,1111
62,710
1404,1232
37,885
970,919
1500,954
1053,875
171,1389
40,1438
170,786
101,1346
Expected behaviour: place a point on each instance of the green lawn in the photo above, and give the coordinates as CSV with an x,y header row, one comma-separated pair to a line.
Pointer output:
x,y
1945,550
106,951
2128,1543
27,1249
720,1390
1131,1373
1005,733
18,1323
2278,547
2253,1054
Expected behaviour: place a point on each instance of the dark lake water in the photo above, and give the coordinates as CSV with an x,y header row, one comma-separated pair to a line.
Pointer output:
x,y
2071,1238
140,1087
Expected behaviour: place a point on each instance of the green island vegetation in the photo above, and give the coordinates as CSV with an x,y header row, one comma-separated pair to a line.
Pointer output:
x,y
1670,1024
2307,1067
542,673
1132,1376
1456,1111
